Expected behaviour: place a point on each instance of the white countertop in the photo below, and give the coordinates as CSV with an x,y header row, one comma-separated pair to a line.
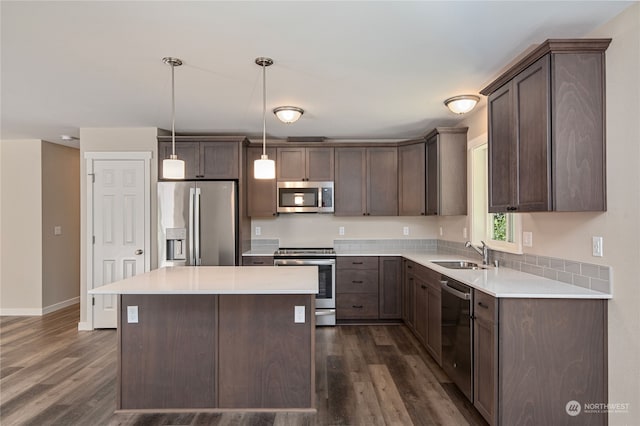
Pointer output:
x,y
506,282
218,280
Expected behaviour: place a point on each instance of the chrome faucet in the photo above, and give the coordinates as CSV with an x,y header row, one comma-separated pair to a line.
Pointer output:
x,y
482,251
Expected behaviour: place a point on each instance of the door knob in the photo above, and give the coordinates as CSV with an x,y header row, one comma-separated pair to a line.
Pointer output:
x,y
139,251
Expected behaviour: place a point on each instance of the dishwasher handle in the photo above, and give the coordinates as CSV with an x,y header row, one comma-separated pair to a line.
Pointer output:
x,y
459,294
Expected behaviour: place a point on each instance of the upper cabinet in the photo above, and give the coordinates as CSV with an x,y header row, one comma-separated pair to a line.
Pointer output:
x,y
411,179
305,164
446,176
205,157
547,130
366,181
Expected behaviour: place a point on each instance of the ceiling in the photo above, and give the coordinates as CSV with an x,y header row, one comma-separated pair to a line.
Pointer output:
x,y
358,69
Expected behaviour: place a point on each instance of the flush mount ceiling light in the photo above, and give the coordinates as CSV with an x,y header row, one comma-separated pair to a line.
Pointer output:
x,y
288,114
462,104
172,168
264,168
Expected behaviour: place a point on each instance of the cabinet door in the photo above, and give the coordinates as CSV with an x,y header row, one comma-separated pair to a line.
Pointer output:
x,y
261,193
382,181
532,107
433,176
502,151
411,180
319,164
350,184
390,293
434,322
484,368
219,160
422,307
189,152
291,164
408,298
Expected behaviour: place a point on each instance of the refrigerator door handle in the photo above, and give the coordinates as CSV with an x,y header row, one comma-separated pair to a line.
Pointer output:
x,y
192,193
197,226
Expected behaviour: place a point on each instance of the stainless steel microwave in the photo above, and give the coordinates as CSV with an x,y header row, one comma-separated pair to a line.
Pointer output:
x,y
305,197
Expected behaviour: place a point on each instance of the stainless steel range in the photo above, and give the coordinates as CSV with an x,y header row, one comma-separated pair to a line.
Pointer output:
x,y
325,260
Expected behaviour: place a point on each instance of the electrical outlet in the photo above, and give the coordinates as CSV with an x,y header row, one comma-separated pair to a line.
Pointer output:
x,y
57,230
405,230
441,231
298,316
596,245
258,230
132,314
341,230
464,233
527,239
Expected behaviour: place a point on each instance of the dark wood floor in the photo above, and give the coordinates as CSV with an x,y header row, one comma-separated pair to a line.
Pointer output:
x,y
52,374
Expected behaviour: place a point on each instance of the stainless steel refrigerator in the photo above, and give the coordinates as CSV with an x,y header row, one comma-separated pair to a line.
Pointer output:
x,y
197,223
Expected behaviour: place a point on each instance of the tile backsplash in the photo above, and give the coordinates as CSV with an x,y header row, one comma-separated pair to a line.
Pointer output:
x,y
586,275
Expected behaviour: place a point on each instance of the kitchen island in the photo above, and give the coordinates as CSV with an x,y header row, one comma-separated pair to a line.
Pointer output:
x,y
216,338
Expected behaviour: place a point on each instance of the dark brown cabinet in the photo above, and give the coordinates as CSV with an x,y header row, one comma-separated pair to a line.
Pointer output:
x,y
538,353
446,175
421,306
390,288
366,181
357,288
261,193
411,179
204,159
546,130
305,164
257,261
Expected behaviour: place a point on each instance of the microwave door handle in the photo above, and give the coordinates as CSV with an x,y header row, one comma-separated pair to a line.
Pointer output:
x,y
197,226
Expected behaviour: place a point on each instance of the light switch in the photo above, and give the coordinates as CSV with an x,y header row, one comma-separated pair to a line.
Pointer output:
x,y
527,239
405,230
258,230
57,230
596,243
132,314
299,315
341,230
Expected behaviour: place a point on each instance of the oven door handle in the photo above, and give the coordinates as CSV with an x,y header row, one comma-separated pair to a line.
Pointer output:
x,y
457,293
325,312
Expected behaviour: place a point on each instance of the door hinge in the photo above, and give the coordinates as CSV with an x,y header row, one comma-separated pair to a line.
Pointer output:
x,y
93,301
93,177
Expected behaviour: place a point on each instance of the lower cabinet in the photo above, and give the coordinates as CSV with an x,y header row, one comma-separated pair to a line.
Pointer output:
x,y
369,288
421,306
541,354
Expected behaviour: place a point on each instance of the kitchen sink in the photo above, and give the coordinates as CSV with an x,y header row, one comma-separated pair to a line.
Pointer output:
x,y
458,264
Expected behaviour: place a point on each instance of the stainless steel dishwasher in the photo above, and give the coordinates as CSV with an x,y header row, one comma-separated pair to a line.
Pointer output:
x,y
457,332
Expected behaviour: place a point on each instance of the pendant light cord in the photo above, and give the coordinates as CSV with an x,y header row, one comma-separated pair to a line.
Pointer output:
x,y
173,113
264,110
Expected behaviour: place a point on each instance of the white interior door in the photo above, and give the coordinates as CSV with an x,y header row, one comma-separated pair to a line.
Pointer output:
x,y
119,230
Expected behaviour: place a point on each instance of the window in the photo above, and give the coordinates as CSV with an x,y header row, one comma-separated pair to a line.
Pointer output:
x,y
501,231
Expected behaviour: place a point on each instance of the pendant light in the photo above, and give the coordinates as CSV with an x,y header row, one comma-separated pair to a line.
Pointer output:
x,y
264,168
172,168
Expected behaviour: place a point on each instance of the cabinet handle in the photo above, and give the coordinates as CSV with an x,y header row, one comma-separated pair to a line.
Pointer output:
x,y
423,286
357,306
357,263
511,209
409,267
422,214
356,282
482,305
258,263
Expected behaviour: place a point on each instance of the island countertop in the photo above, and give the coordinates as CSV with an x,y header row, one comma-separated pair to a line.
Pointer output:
x,y
218,280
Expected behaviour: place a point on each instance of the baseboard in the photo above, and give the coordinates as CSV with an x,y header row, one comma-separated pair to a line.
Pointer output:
x,y
21,312
60,305
85,326
35,312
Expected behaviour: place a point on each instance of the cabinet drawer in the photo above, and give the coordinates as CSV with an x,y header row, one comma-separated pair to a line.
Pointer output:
x,y
257,261
484,306
357,281
357,306
357,262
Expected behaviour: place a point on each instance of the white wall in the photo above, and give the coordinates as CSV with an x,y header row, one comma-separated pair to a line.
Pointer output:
x,y
319,230
568,235
60,207
115,140
21,227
